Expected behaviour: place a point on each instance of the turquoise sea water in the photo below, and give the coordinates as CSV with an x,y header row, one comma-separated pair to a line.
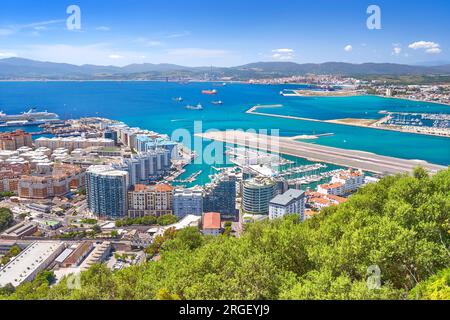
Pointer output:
x,y
150,105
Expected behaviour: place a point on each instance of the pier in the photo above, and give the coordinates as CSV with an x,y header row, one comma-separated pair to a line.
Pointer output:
x,y
191,179
365,161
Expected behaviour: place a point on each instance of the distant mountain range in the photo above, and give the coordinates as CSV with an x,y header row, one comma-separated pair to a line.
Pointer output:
x,y
24,69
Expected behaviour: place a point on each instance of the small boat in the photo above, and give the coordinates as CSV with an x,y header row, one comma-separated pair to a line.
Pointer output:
x,y
210,92
197,107
220,102
179,99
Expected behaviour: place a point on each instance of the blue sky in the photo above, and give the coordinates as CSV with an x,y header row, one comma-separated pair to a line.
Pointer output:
x,y
225,32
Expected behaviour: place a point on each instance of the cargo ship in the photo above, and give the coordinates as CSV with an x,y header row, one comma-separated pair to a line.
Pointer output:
x,y
29,118
210,92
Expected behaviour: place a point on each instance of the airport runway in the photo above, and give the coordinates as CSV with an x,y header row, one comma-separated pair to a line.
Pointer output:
x,y
347,158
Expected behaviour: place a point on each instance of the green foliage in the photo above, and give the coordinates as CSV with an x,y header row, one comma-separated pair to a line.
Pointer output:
x,y
167,219
114,234
436,287
13,252
7,290
400,224
7,194
6,218
145,221
89,221
158,242
163,220
35,290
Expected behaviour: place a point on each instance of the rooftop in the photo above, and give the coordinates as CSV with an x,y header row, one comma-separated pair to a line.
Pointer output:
x,y
211,220
106,171
27,262
332,186
287,197
259,182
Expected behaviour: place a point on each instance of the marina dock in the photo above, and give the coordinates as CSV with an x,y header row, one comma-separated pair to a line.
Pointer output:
x,y
347,158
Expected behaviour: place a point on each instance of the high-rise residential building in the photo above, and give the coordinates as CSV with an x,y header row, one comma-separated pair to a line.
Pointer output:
x,y
187,202
145,143
290,202
107,191
15,140
111,135
256,195
150,200
148,166
220,196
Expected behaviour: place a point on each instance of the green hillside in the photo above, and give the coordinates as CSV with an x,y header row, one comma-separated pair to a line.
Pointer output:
x,y
399,226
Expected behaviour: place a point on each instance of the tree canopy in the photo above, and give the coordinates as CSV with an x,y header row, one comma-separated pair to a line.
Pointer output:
x,y
6,219
399,227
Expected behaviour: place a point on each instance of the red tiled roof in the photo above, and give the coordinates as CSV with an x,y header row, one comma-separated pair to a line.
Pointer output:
x,y
332,186
211,220
163,188
336,198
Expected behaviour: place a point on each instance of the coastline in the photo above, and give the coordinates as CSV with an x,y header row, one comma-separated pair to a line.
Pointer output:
x,y
415,100
322,94
362,123
363,160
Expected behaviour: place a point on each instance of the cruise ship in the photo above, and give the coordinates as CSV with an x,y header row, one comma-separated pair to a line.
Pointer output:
x,y
29,118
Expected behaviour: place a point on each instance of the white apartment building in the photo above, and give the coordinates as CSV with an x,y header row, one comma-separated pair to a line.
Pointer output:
x,y
291,202
343,183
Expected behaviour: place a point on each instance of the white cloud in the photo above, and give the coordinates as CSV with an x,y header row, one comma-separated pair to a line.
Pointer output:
x,y
36,26
115,56
6,54
283,54
434,50
396,50
283,50
429,46
348,48
423,45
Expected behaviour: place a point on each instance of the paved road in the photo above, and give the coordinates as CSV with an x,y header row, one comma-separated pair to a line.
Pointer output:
x,y
347,158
